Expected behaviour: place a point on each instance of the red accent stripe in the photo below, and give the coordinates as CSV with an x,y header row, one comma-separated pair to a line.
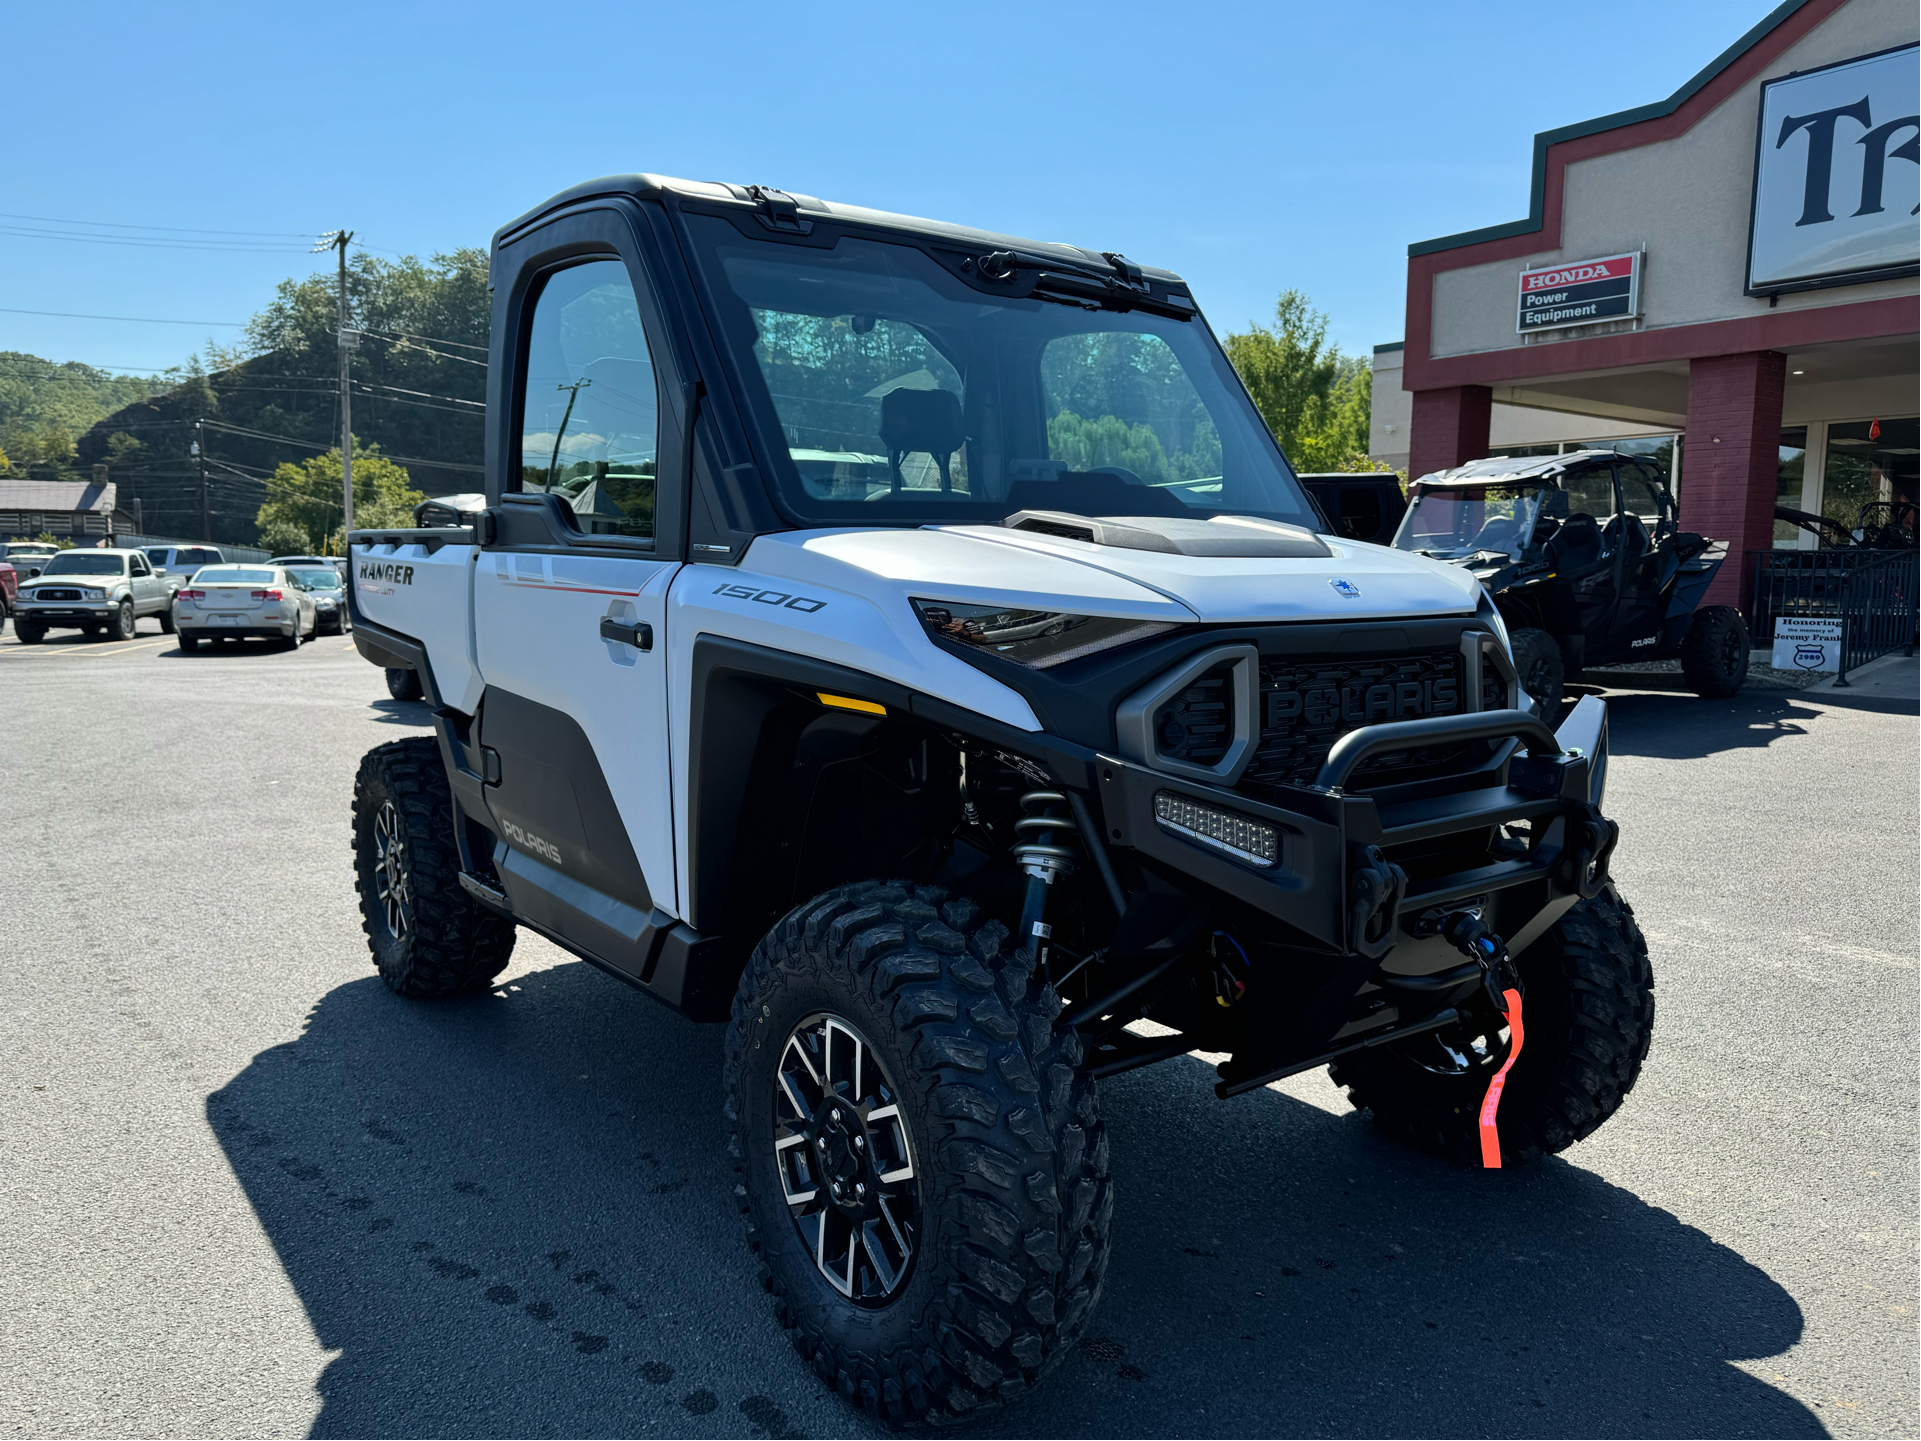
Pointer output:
x,y
570,589
1491,1104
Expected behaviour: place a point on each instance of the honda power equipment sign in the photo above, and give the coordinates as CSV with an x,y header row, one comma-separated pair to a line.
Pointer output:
x,y
1581,292
1837,174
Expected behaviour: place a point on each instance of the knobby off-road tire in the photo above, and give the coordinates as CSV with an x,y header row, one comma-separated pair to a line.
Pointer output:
x,y
1587,1018
428,936
1014,1202
1538,663
1714,654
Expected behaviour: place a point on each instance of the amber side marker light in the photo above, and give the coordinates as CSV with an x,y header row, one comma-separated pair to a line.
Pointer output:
x,y
847,702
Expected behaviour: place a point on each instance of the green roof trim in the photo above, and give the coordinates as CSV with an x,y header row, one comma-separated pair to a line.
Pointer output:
x,y
1391,345
1537,200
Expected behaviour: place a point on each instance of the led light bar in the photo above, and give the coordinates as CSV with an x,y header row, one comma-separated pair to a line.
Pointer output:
x,y
1241,837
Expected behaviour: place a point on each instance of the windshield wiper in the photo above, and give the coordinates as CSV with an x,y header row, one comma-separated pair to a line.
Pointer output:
x,y
1121,288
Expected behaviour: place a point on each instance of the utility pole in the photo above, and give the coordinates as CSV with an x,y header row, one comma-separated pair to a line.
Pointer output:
x,y
200,459
349,339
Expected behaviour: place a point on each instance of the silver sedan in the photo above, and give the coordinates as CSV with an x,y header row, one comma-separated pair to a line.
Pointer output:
x,y
233,602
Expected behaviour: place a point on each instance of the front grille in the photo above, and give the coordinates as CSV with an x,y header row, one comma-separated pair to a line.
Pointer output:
x,y
44,594
1197,726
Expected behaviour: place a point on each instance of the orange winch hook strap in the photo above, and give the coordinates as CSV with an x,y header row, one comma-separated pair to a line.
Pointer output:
x,y
1491,1103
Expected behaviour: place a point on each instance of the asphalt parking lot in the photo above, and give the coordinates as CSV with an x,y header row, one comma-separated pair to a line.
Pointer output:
x,y
247,1191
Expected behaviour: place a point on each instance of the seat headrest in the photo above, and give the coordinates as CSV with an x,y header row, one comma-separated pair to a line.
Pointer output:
x,y
927,421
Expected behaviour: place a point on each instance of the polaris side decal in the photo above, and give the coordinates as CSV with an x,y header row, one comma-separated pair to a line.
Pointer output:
x,y
807,605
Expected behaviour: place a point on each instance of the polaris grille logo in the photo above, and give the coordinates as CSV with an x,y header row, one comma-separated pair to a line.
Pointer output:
x,y
387,571
1346,588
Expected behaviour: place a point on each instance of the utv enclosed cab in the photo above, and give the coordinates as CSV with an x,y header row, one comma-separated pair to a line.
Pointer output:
x,y
1584,557
908,644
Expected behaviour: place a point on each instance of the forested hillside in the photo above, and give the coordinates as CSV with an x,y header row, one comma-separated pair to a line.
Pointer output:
x,y
46,405
419,378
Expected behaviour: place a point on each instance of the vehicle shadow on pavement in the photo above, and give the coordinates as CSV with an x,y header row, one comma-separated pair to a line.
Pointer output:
x,y
1667,726
514,1215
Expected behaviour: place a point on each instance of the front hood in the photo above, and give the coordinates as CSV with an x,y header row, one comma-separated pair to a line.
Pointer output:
x,y
1355,581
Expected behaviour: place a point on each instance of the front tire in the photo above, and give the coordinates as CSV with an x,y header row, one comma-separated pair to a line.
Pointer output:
x,y
188,641
1011,1199
123,625
1714,655
1587,1018
403,684
27,633
1541,669
428,936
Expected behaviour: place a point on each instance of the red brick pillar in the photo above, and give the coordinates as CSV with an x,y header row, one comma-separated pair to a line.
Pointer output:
x,y
1449,428
1730,460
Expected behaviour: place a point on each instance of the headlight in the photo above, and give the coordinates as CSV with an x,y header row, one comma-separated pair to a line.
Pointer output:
x,y
92,593
1035,638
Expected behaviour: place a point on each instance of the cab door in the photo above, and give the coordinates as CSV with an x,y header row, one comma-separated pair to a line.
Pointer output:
x,y
1646,562
570,599
1593,569
149,591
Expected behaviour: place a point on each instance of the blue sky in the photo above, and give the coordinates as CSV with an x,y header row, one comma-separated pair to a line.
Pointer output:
x,y
1250,147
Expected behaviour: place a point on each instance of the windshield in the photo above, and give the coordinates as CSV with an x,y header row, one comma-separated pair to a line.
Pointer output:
x,y
158,555
72,564
1451,524
902,394
328,579
231,575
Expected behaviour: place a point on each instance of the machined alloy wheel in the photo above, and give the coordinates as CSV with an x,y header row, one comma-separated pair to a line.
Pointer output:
x,y
394,882
845,1159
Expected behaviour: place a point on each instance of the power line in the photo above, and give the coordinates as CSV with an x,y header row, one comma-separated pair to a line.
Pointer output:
x,y
437,340
140,319
230,247
311,445
177,229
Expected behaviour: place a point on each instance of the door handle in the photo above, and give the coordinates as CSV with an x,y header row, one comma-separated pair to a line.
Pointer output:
x,y
636,633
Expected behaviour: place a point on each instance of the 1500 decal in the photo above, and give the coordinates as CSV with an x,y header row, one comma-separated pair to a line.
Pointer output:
x,y
807,605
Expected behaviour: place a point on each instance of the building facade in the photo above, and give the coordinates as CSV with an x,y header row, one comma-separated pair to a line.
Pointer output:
x,y
1725,279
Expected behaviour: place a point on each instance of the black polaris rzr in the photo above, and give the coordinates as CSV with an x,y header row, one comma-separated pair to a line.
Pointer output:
x,y
1586,563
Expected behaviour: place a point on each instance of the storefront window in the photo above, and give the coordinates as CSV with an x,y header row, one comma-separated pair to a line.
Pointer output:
x,y
1789,477
1869,461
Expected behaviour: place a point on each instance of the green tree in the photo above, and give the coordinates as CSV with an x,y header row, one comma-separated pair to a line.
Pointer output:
x,y
1317,401
303,505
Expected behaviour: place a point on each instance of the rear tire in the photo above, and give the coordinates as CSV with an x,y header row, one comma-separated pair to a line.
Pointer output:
x,y
404,684
1542,671
1587,1018
1011,1195
1714,655
166,622
189,642
428,936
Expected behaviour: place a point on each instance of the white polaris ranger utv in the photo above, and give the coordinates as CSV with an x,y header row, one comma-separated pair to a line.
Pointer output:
x,y
907,644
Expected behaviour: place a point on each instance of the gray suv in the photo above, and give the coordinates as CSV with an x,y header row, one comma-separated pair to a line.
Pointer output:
x,y
100,592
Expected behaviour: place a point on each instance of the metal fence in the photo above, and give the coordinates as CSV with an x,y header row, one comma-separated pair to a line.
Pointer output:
x,y
1871,592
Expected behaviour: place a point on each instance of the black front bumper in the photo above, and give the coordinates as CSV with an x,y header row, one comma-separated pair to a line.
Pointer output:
x,y
1334,881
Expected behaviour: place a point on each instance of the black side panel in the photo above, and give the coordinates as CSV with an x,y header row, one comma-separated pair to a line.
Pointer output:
x,y
735,687
552,803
